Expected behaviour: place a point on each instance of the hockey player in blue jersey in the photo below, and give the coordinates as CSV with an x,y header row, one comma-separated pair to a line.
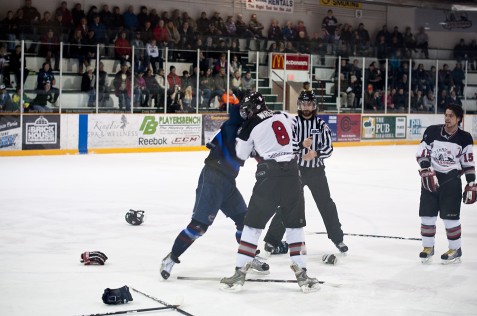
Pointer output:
x,y
216,190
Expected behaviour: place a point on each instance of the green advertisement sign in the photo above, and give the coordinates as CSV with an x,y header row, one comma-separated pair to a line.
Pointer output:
x,y
383,127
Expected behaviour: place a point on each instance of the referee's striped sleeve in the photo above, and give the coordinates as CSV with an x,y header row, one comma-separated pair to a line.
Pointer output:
x,y
326,146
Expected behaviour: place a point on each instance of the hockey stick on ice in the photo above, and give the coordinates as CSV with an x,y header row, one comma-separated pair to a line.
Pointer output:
x,y
134,311
175,307
374,236
253,280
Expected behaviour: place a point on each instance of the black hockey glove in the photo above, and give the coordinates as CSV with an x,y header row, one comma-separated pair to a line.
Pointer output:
x,y
93,257
117,296
429,179
470,193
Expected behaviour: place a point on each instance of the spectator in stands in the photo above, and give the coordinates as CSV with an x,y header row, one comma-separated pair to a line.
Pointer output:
x,y
373,76
154,18
103,86
90,47
14,106
191,21
141,91
5,99
166,17
9,29
100,33
186,36
174,102
186,80
248,83
347,38
46,75
4,67
330,23
318,46
131,22
23,29
382,51
66,17
45,24
387,99
83,25
122,87
460,51
422,79
256,28
290,49
173,79
445,79
142,17
303,46
155,91
229,97
43,97
235,64
88,85
409,42
472,54
206,85
458,78
174,39
92,12
383,32
346,92
242,28
161,35
398,37
230,27
117,23
77,13
122,48
139,53
77,49
236,84
202,23
31,14
442,101
429,101
370,99
220,84
234,46
16,65
106,17
220,63
50,48
188,100
176,18
417,101
453,98
61,30
217,20
153,55
400,100
422,42
288,32
364,41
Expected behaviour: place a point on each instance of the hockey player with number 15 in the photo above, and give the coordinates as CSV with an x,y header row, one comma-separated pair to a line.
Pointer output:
x,y
444,154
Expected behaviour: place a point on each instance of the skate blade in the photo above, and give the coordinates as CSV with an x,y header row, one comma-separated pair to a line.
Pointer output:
x,y
231,289
306,289
453,261
257,272
426,260
165,275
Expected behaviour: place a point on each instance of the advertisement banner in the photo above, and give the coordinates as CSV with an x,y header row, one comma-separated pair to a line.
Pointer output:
x,y
417,124
341,4
211,124
349,127
279,6
447,21
331,121
144,131
10,133
41,131
292,62
383,127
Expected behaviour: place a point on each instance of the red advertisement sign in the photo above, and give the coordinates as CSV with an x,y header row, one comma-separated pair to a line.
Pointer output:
x,y
293,62
349,127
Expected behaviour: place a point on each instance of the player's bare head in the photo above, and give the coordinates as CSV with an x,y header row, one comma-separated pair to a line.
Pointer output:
x,y
306,103
457,110
252,103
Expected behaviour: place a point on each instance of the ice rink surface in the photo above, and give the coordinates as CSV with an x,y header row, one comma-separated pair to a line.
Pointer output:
x,y
53,208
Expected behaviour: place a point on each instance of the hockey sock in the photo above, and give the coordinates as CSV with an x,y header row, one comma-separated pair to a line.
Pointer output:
x,y
296,244
187,236
453,231
428,230
247,245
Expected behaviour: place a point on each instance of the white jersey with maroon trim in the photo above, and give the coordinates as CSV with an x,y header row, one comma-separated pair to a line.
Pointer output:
x,y
268,134
447,152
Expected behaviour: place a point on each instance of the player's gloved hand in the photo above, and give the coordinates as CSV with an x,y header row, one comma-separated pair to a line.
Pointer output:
x,y
429,179
310,155
93,257
470,193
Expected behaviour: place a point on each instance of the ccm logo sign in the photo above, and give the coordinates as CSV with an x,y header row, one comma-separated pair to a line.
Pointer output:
x,y
185,139
293,62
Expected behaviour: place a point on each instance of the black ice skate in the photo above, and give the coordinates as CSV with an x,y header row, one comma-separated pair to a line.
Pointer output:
x,y
282,248
452,256
342,247
426,254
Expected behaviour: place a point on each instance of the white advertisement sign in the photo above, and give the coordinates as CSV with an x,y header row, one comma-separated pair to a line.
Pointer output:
x,y
417,124
279,6
144,131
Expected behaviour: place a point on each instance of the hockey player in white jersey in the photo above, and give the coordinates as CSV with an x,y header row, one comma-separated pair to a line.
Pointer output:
x,y
268,135
444,154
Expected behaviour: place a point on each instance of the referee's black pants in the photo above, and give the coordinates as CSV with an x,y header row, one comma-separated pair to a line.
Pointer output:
x,y
315,179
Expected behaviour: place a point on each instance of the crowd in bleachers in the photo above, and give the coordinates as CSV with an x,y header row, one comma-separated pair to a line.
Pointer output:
x,y
147,33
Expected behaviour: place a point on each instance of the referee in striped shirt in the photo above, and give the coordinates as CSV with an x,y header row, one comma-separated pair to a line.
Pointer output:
x,y
312,143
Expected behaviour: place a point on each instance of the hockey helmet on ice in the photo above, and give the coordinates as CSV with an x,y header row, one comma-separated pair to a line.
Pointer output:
x,y
135,217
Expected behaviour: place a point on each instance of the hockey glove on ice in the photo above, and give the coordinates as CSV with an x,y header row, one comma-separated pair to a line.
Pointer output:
x,y
117,296
470,193
429,179
93,257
